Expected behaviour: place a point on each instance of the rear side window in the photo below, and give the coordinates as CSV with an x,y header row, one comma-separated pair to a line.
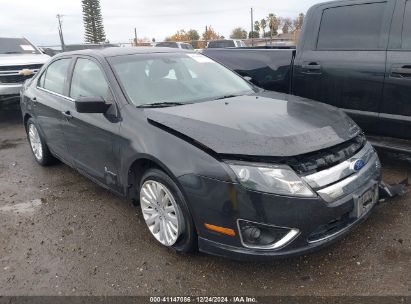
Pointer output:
x,y
55,76
406,29
352,27
89,81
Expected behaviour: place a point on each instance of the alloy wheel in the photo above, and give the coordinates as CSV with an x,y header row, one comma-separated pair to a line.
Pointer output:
x,y
35,142
161,212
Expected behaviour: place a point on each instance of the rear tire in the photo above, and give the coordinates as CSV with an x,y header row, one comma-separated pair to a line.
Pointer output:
x,y
38,146
164,208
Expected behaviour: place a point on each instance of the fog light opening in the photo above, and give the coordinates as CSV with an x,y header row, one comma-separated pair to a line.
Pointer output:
x,y
262,236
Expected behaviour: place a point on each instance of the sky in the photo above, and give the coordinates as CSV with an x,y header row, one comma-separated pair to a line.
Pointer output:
x,y
36,19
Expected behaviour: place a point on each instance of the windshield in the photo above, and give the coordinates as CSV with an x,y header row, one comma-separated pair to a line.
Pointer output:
x,y
175,78
16,46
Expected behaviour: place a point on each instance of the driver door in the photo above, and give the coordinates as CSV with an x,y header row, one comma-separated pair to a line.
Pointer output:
x,y
90,137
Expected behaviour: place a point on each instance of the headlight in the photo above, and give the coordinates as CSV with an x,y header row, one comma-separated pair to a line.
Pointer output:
x,y
271,178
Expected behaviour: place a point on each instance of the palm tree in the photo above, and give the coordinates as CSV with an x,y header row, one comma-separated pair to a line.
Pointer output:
x,y
272,24
263,25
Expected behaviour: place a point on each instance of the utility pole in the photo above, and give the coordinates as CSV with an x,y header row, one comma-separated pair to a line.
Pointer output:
x,y
252,28
61,32
135,36
206,33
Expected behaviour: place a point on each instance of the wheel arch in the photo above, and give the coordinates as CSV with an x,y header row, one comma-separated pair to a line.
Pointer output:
x,y
136,170
26,118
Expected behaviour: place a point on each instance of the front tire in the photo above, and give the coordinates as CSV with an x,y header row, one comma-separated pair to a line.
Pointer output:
x,y
166,213
38,145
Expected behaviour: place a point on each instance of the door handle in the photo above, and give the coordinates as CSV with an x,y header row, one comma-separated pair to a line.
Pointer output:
x,y
311,68
67,115
401,72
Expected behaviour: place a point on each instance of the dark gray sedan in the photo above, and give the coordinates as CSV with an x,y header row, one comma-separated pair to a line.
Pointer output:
x,y
215,162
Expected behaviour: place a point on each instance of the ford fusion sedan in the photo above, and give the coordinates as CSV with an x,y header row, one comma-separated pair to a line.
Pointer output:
x,y
216,163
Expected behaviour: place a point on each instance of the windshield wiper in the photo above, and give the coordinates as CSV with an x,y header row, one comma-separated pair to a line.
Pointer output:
x,y
226,96
11,52
161,104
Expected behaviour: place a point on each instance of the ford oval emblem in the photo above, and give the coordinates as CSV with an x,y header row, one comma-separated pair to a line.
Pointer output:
x,y
358,165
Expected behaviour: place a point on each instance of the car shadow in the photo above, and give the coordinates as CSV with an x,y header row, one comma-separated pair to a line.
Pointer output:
x,y
10,112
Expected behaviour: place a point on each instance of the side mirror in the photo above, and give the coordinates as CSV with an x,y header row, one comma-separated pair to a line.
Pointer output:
x,y
93,104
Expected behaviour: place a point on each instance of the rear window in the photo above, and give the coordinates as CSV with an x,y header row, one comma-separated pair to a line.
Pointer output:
x,y
352,27
17,46
167,44
221,44
406,29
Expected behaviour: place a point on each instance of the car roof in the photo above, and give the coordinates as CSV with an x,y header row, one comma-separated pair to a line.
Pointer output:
x,y
120,51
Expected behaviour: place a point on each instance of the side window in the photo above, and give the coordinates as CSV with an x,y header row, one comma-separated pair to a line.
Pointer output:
x,y
89,81
55,76
40,82
352,27
406,28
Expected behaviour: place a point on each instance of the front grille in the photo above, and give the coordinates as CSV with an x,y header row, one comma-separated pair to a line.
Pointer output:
x,y
11,74
14,78
20,67
327,158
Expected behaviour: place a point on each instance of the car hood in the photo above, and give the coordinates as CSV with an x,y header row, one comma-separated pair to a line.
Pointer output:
x,y
22,59
262,125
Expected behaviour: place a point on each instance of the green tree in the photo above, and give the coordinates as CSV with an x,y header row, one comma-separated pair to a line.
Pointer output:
x,y
93,21
263,25
253,34
238,33
193,35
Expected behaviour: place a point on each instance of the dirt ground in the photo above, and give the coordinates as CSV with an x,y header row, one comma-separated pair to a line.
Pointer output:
x,y
60,234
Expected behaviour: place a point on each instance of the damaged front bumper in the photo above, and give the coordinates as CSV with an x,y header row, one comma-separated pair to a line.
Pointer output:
x,y
345,198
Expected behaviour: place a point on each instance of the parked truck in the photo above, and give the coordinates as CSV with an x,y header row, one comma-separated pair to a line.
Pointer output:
x,y
352,54
19,61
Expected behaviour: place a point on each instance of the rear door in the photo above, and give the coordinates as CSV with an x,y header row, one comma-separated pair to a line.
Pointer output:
x,y
395,109
343,63
47,100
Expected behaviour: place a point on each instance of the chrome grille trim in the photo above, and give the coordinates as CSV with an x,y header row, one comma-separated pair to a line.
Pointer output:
x,y
371,171
342,170
16,72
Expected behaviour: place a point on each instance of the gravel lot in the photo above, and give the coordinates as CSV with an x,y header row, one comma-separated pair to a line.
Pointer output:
x,y
60,234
